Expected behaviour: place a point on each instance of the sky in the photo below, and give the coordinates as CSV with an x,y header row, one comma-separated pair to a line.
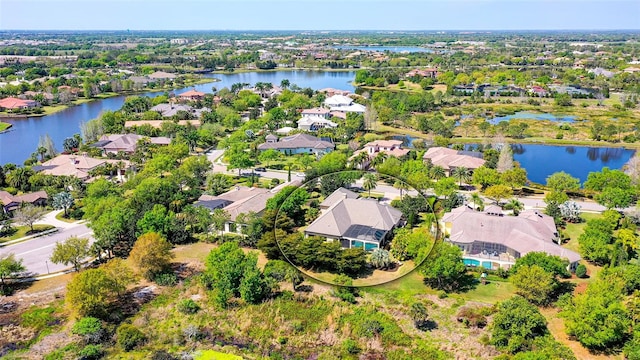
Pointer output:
x,y
319,15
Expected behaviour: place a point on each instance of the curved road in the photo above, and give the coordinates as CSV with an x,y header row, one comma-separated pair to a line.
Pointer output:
x,y
35,253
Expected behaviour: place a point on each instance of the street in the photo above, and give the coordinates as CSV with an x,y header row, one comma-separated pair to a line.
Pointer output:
x,y
35,253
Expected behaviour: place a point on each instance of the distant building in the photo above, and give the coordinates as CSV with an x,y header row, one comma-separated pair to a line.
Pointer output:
x,y
158,123
161,75
168,110
325,113
297,144
601,72
429,72
191,95
78,166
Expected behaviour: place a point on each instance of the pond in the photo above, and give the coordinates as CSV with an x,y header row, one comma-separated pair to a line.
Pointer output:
x,y
541,160
533,116
17,144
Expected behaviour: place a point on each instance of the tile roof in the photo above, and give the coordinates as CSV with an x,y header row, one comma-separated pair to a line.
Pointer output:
x,y
361,219
338,195
528,232
315,111
239,200
128,142
297,141
158,123
338,100
15,103
449,158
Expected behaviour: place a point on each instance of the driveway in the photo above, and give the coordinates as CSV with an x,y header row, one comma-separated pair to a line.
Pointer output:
x,y
35,253
50,219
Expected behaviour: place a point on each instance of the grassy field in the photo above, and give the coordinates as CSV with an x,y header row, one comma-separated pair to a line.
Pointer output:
x,y
22,231
4,126
573,231
60,216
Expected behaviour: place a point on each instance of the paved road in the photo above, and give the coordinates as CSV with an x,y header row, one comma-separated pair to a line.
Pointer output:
x,y
35,253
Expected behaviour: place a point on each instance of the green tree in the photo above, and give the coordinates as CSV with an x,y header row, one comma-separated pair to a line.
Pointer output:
x,y
515,177
90,292
9,267
151,255
72,251
550,263
444,268
462,174
225,267
19,178
497,193
219,218
516,325
486,177
534,284
562,182
62,200
478,202
269,155
218,183
253,287
595,241
597,318
419,315
239,160
120,273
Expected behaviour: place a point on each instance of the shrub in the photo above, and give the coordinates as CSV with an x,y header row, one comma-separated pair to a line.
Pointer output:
x,y
166,279
129,336
38,318
350,347
90,329
91,352
472,317
188,306
581,271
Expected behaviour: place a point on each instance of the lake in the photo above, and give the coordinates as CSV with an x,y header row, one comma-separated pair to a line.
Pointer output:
x,y
540,160
533,116
393,49
17,144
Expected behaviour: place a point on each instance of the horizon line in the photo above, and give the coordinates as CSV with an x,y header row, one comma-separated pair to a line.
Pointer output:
x,y
323,30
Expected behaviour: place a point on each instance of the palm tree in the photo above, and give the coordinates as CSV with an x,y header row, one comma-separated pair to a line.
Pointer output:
x,y
379,159
437,172
19,178
477,200
42,151
400,185
284,83
462,174
380,258
360,159
514,205
218,218
369,182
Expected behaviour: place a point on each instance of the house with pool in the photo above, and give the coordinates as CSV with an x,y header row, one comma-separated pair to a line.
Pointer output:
x,y
494,240
355,222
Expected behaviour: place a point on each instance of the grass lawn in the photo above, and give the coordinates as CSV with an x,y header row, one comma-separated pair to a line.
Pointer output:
x,y
490,293
61,217
22,231
573,231
4,126
214,355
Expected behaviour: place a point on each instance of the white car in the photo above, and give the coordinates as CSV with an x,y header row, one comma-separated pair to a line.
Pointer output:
x,y
300,174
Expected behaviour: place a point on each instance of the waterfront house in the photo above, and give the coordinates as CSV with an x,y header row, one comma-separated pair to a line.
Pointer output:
x,y
169,110
363,223
298,144
161,75
158,123
322,112
429,72
388,147
495,240
12,103
450,159
191,95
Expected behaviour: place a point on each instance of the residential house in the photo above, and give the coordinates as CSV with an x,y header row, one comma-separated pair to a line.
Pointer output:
x,y
429,72
158,123
297,144
600,71
169,110
191,95
451,159
239,200
356,223
331,92
12,202
464,89
538,91
336,101
78,166
571,90
161,75
389,147
314,123
12,103
337,196
322,112
127,143
494,240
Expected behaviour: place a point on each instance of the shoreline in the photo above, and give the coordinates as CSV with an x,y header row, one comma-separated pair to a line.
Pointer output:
x,y
58,108
239,71
5,127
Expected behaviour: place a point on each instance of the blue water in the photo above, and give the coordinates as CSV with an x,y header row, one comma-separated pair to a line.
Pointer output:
x,y
21,140
533,116
393,49
540,161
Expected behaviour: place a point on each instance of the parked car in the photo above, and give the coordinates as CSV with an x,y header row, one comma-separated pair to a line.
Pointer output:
x,y
260,169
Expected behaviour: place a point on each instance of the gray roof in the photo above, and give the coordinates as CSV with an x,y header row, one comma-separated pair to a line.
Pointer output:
x,y
338,195
361,219
530,231
297,141
239,200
